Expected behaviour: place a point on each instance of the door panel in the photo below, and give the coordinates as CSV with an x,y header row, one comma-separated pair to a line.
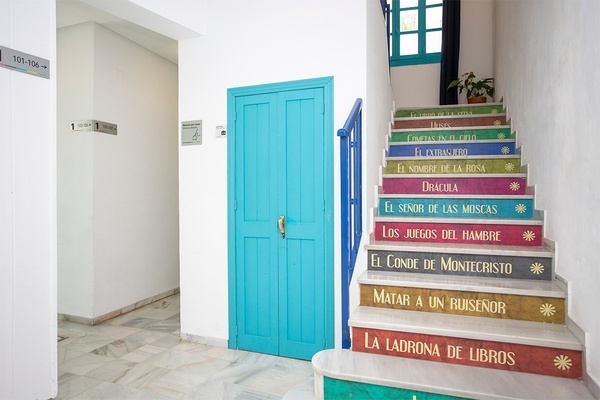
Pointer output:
x,y
256,242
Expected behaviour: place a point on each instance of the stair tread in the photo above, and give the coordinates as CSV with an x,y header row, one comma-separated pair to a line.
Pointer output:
x,y
456,196
458,248
441,378
454,128
446,142
467,327
462,176
462,283
536,220
447,158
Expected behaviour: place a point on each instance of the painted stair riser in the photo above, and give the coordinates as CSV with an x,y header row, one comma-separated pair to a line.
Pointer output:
x,y
336,389
503,165
474,352
451,149
455,134
457,208
441,122
484,266
449,111
461,186
456,302
421,232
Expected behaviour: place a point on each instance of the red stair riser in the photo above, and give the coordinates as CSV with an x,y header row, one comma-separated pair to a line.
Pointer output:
x,y
473,352
465,186
441,123
520,235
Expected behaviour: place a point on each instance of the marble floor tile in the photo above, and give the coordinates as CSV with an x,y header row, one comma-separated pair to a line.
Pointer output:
x,y
143,353
140,355
71,385
176,384
112,371
83,364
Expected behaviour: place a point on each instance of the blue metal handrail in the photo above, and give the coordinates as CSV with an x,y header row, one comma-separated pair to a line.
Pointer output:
x,y
351,205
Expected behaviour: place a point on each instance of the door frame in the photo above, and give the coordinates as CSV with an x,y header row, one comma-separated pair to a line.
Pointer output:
x,y
325,83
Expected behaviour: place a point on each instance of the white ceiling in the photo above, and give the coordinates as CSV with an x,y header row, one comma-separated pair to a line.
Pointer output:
x,y
71,12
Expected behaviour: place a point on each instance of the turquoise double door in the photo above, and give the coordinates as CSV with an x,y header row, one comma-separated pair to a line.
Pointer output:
x,y
280,218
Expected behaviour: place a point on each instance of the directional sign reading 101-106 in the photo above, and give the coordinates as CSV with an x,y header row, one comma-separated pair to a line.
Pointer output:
x,y
23,62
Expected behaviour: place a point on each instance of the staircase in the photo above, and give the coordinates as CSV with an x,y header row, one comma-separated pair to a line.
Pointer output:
x,y
459,299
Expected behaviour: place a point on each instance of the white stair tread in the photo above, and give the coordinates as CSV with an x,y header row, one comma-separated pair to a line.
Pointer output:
x,y
446,176
467,327
462,283
442,378
458,248
456,128
457,196
472,221
437,143
482,157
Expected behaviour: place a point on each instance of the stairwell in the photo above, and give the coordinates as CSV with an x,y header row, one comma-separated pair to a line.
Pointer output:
x,y
459,299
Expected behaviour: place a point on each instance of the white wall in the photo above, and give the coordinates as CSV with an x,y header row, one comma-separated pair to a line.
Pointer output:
x,y
251,43
378,109
419,85
118,195
28,206
547,69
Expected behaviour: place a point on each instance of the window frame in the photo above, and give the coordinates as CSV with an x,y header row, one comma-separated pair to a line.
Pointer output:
x,y
422,57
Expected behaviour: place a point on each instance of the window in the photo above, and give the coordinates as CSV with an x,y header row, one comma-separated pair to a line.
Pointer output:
x,y
416,32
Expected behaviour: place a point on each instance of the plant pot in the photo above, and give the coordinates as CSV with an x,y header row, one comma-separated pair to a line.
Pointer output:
x,y
477,99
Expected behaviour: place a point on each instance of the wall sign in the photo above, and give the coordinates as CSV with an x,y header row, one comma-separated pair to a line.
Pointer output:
x,y
191,132
23,62
93,125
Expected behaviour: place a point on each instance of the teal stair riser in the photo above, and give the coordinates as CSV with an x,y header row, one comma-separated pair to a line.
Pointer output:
x,y
457,208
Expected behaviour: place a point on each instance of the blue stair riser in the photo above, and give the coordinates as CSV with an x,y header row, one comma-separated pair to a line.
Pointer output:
x,y
456,264
457,208
451,149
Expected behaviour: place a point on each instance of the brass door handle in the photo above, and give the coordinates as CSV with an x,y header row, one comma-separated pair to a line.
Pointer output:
x,y
281,225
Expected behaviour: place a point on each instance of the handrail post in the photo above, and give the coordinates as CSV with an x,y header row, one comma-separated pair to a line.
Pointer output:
x,y
350,206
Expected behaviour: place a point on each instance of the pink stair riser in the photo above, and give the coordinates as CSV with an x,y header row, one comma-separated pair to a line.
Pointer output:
x,y
498,234
464,186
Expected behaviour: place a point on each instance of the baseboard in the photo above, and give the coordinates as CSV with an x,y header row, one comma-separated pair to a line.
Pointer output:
x,y
116,313
209,341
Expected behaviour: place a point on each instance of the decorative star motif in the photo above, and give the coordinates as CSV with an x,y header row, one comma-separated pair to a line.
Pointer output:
x,y
505,150
497,122
563,362
494,111
521,208
514,186
528,235
547,309
537,268
509,166
501,135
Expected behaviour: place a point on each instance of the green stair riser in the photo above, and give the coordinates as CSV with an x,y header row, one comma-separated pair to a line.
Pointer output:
x,y
455,134
449,111
504,165
336,389
477,304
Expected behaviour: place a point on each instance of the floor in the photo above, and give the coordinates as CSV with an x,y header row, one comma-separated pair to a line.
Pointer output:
x,y
139,355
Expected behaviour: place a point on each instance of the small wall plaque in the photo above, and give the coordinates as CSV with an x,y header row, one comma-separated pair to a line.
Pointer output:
x,y
191,133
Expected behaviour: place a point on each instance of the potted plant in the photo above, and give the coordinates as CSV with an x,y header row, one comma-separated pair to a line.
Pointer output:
x,y
476,89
